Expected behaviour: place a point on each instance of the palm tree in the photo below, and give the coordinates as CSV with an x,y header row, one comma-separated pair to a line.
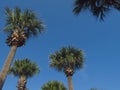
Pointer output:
x,y
54,85
23,69
20,26
99,8
67,60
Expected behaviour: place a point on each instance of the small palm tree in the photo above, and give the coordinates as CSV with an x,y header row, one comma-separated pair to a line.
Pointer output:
x,y
67,60
24,69
54,85
20,26
99,8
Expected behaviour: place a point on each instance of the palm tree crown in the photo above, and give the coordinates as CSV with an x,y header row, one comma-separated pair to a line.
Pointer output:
x,y
68,60
98,7
54,85
24,68
21,25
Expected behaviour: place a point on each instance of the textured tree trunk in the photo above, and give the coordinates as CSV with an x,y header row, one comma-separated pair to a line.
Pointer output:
x,y
22,83
5,69
70,82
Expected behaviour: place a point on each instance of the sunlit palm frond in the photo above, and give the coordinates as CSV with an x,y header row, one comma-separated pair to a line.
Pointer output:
x,y
67,57
23,20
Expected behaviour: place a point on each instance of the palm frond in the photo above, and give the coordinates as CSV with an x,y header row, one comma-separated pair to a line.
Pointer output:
x,y
67,57
99,8
23,20
24,67
54,85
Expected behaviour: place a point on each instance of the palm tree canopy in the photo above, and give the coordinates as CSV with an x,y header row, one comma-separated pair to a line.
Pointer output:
x,y
98,7
54,85
24,67
67,57
23,20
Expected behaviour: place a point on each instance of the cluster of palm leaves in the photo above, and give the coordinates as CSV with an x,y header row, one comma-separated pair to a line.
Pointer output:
x,y
99,8
21,25
54,85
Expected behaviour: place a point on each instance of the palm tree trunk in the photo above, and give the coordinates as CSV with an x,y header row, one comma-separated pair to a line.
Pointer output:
x,y
22,83
3,73
70,82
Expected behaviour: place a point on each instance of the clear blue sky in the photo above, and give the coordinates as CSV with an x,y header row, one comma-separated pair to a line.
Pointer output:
x,y
100,42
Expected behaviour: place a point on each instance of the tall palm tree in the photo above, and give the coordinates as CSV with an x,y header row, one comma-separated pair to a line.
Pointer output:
x,y
20,25
23,69
67,60
99,8
54,85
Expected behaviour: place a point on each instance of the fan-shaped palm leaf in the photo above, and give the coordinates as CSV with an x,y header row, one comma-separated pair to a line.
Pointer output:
x,y
99,8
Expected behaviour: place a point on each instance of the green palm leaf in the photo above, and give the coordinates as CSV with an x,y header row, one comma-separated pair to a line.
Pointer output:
x,y
24,67
54,85
67,57
23,20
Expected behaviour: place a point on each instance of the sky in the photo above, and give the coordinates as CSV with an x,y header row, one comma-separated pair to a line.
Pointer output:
x,y
100,42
